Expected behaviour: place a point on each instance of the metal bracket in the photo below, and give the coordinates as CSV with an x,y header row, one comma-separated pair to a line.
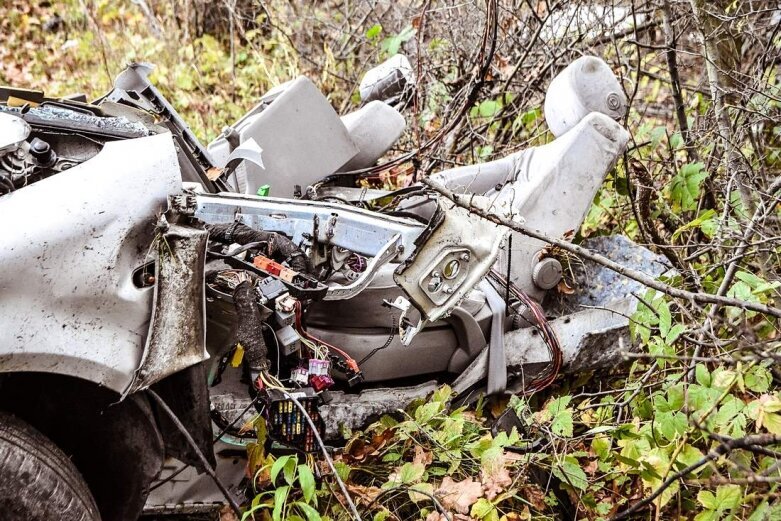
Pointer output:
x,y
385,255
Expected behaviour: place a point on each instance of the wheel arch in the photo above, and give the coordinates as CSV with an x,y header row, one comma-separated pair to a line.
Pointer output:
x,y
116,445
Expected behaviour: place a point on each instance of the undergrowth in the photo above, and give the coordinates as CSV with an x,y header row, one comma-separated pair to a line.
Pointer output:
x,y
690,426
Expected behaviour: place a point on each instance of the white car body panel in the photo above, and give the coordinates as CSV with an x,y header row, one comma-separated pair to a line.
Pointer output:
x,y
68,247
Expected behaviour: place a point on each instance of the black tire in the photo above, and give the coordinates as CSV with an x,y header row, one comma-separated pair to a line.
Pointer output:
x,y
38,482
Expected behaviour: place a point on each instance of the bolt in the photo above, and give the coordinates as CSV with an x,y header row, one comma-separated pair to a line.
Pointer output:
x,y
613,101
465,257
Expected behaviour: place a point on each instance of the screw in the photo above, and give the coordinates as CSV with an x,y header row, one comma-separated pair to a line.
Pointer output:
x,y
613,101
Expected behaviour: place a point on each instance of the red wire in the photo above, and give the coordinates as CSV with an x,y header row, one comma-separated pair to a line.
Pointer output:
x,y
352,364
548,334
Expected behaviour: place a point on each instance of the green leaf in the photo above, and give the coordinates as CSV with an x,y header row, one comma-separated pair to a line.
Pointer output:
x,y
391,457
730,408
307,481
674,333
342,470
772,423
289,471
421,492
761,513
685,187
373,32
758,379
665,317
411,472
485,151
392,44
707,515
689,455
656,136
561,422
723,378
707,221
426,412
278,465
702,375
310,513
752,280
571,473
488,108
442,395
729,497
482,509
280,498
671,424
601,446
382,515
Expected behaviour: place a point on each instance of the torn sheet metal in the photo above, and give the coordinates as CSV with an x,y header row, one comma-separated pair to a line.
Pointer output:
x,y
247,151
455,256
388,252
177,338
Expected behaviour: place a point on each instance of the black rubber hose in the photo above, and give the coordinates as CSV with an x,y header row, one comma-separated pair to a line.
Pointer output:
x,y
249,329
278,245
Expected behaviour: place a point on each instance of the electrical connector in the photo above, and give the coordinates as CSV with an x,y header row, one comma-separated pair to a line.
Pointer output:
x,y
320,382
299,375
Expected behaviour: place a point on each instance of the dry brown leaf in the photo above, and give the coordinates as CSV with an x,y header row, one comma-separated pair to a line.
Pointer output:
x,y
438,516
534,495
564,288
422,456
364,494
459,496
591,467
495,482
226,514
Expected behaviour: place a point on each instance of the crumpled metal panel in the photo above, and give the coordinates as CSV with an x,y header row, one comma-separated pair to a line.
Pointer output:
x,y
177,338
461,239
68,248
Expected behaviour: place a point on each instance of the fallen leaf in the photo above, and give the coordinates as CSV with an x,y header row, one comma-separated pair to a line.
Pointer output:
x,y
364,494
591,467
438,516
534,495
421,456
495,482
459,495
226,514
564,288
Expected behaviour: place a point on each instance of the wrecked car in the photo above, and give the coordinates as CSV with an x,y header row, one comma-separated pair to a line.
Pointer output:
x,y
158,293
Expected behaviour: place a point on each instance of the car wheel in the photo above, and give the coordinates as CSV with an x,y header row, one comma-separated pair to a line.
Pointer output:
x,y
38,482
